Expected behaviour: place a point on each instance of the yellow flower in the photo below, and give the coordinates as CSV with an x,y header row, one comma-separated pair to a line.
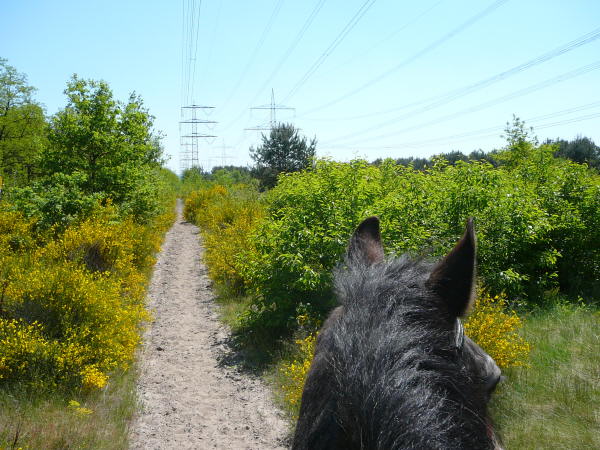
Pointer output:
x,y
78,409
92,378
87,285
296,371
495,330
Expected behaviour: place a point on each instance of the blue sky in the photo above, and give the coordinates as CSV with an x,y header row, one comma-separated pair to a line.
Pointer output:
x,y
401,79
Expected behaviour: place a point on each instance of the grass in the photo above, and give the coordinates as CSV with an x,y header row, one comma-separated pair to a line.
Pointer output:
x,y
230,306
44,420
258,354
554,403
286,389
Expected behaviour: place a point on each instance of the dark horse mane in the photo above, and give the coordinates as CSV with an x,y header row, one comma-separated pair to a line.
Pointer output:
x,y
386,374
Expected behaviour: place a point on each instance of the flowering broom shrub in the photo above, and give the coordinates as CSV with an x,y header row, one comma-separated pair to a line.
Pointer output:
x,y
116,249
82,314
294,373
25,353
494,328
227,248
72,306
197,201
15,233
227,217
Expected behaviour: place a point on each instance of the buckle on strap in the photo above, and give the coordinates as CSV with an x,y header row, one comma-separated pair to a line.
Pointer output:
x,y
459,334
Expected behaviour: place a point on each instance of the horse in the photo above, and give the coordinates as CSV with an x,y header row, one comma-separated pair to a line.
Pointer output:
x,y
393,368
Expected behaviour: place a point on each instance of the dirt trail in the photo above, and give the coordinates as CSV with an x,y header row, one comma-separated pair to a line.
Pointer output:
x,y
189,399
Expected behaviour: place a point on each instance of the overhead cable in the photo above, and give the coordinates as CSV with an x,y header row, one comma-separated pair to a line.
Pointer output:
x,y
339,38
257,48
438,100
521,92
283,59
491,131
471,21
394,33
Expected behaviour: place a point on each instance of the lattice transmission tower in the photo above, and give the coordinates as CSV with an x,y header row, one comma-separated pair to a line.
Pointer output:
x,y
192,131
273,108
223,156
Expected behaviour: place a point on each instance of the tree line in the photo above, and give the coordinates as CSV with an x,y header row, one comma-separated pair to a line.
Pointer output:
x,y
284,150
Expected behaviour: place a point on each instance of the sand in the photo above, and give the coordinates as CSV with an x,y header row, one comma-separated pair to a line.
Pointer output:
x,y
192,395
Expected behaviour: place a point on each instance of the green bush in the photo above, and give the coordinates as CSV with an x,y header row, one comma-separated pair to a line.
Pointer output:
x,y
536,217
56,200
310,215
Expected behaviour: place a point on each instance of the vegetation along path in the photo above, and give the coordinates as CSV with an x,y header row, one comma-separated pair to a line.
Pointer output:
x,y
191,398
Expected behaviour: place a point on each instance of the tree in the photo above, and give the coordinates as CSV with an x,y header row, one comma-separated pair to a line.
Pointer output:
x,y
520,143
454,156
283,151
22,127
111,143
518,136
98,149
581,150
416,163
480,155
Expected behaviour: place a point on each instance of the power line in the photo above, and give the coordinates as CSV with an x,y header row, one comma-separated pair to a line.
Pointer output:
x,y
189,51
257,48
307,23
494,130
525,91
339,38
286,55
501,129
196,51
223,155
397,31
187,42
438,100
183,35
190,126
190,135
472,20
273,108
212,44
564,112
191,14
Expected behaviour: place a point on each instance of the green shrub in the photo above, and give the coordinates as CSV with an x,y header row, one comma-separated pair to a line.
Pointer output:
x,y
57,200
310,215
535,218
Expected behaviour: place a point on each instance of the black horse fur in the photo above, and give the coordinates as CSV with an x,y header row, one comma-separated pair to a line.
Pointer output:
x,y
388,372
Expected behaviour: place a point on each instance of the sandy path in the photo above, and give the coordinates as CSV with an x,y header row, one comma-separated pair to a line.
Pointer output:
x,y
189,399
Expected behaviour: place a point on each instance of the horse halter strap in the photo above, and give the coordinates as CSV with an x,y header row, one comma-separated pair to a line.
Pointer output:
x,y
459,335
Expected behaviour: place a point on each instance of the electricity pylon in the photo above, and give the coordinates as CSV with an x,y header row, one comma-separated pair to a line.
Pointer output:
x,y
273,108
190,134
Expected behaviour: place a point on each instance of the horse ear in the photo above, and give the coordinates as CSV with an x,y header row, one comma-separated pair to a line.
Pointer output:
x,y
453,278
365,244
